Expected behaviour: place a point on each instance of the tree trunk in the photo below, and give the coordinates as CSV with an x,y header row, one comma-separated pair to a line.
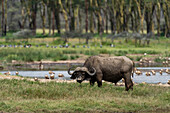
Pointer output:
x,y
80,22
132,21
106,15
43,18
166,16
121,15
57,17
71,16
99,18
23,14
76,13
158,16
34,15
91,18
42,13
5,30
65,16
86,10
49,20
2,20
53,21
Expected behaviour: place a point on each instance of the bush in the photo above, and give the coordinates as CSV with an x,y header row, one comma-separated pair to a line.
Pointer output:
x,y
58,41
64,57
11,57
120,53
159,60
72,57
23,34
138,58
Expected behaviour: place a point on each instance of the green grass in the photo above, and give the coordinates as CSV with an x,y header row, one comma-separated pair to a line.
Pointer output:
x,y
29,96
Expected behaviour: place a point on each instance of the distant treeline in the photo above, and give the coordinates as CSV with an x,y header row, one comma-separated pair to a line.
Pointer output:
x,y
94,16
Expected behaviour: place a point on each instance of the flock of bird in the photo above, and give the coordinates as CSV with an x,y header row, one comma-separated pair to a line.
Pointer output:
x,y
52,75
143,61
138,72
47,46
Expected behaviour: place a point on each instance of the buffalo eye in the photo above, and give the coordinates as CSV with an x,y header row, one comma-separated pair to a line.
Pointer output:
x,y
83,73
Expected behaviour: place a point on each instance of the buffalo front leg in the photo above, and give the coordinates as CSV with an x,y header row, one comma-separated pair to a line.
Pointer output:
x,y
99,79
92,82
128,81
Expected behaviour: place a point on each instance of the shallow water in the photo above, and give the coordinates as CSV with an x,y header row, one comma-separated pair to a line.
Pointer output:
x,y
137,79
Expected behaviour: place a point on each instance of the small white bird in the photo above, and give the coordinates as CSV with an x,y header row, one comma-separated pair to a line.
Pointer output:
x,y
153,72
167,71
36,79
160,72
148,74
50,72
52,76
168,82
60,75
46,77
17,73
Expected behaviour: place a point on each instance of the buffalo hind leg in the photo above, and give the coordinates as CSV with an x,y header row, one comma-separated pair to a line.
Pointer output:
x,y
128,81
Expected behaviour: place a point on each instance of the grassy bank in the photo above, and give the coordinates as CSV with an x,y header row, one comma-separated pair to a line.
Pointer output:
x,y
121,47
55,54
28,96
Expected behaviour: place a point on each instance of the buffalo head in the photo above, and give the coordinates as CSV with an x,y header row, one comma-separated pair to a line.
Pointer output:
x,y
81,73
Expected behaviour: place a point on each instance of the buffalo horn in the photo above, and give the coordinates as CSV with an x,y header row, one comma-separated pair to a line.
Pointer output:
x,y
69,71
91,74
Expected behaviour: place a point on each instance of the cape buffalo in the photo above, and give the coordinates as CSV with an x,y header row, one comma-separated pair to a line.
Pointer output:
x,y
111,69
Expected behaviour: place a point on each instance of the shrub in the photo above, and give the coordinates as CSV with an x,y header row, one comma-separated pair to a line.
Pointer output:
x,y
72,57
64,57
159,60
138,58
11,57
23,34
120,53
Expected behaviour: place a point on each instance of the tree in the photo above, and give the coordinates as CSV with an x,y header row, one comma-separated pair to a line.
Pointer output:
x,y
42,13
65,15
5,30
158,16
149,13
86,10
166,13
2,20
57,16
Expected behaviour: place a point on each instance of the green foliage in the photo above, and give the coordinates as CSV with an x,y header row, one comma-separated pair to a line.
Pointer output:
x,y
120,53
159,60
73,57
58,41
64,57
138,58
